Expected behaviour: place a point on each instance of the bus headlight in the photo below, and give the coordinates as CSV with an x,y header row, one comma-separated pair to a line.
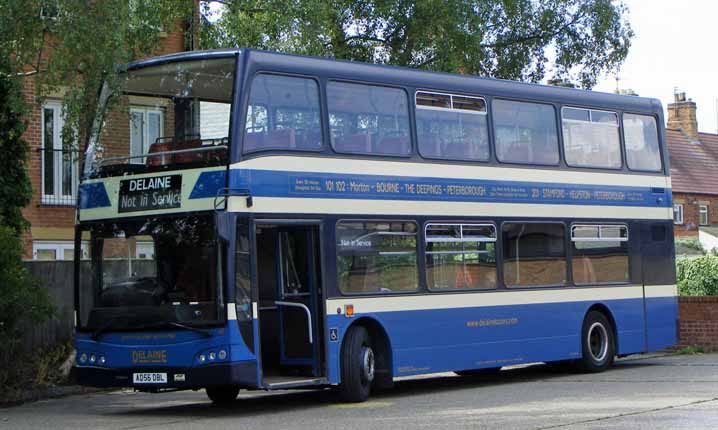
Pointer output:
x,y
222,354
212,356
93,358
202,358
83,358
101,360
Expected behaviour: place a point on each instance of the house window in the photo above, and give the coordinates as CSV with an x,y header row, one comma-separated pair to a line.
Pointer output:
x,y
59,250
678,213
145,250
59,161
146,126
703,214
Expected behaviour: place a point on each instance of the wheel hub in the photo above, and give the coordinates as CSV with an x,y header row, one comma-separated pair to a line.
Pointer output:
x,y
367,364
597,341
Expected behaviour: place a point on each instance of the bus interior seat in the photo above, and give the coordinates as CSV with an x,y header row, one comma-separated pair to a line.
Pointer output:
x,y
360,143
430,145
282,138
394,145
309,141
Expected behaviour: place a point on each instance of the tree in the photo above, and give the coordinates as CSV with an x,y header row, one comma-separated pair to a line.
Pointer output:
x,y
73,47
511,39
21,297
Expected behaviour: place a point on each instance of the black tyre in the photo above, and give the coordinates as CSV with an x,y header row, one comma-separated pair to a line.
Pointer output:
x,y
223,395
598,345
479,372
357,366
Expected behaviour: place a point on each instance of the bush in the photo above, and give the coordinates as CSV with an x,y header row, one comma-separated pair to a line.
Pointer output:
x,y
689,245
22,298
697,276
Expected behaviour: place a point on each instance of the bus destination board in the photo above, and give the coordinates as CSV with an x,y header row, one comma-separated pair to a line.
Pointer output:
x,y
154,193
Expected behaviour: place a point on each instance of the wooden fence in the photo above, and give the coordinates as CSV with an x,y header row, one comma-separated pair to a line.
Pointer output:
x,y
56,276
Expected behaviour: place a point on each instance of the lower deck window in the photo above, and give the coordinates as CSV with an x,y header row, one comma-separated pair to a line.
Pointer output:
x,y
460,256
534,254
600,254
376,257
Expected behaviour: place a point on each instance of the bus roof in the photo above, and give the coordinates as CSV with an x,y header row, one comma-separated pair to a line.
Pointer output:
x,y
402,76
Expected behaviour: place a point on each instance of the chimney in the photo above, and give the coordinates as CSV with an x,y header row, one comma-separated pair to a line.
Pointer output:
x,y
682,116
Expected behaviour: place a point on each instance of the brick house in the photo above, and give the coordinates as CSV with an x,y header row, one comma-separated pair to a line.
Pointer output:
x,y
54,170
694,169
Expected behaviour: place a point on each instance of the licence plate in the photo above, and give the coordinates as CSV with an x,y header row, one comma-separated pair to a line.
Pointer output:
x,y
149,378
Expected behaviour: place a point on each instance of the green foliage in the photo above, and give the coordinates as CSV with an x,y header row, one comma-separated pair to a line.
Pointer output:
x,y
511,39
689,245
81,44
697,276
28,372
691,350
22,298
15,188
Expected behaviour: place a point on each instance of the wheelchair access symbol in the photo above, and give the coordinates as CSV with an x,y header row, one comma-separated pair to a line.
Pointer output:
x,y
333,334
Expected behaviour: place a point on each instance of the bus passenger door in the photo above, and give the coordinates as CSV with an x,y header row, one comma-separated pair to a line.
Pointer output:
x,y
289,301
297,288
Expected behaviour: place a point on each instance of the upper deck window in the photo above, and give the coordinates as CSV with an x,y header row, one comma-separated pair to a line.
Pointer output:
x,y
642,150
590,138
452,127
283,113
525,132
168,114
368,119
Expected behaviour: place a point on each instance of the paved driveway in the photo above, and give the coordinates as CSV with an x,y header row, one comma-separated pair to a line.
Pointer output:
x,y
669,392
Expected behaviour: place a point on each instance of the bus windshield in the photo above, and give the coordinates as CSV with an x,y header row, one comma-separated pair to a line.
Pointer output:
x,y
178,114
150,272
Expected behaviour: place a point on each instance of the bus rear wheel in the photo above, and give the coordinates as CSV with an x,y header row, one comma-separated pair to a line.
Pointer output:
x,y
598,345
222,395
357,366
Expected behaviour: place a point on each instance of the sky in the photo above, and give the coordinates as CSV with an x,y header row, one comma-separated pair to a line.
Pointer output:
x,y
675,45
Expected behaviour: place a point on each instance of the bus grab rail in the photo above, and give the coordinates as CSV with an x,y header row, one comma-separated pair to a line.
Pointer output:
x,y
161,153
306,310
224,193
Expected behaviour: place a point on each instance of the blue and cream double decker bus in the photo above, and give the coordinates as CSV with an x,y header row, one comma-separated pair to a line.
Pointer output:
x,y
273,221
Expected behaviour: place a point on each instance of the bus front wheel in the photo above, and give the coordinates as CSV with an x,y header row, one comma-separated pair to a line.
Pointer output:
x,y
223,395
598,345
357,365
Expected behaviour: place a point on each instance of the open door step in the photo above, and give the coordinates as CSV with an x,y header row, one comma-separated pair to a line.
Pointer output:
x,y
284,382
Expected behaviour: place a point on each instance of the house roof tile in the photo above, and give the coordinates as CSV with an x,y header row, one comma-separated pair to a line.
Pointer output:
x,y
694,164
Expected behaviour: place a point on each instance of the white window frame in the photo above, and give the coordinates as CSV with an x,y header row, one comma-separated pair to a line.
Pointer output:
x,y
55,196
59,247
678,213
451,103
602,231
145,111
142,247
703,209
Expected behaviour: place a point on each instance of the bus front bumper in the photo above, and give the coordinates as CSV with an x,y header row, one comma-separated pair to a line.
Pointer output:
x,y
243,374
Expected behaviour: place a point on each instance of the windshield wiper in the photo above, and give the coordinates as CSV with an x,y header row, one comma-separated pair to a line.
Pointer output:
x,y
106,326
204,333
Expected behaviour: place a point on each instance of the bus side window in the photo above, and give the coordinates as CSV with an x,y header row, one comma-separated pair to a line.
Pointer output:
x,y
460,256
534,254
642,149
525,132
376,257
283,113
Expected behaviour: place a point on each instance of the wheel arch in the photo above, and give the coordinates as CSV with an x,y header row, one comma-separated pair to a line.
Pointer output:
x,y
381,344
603,309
